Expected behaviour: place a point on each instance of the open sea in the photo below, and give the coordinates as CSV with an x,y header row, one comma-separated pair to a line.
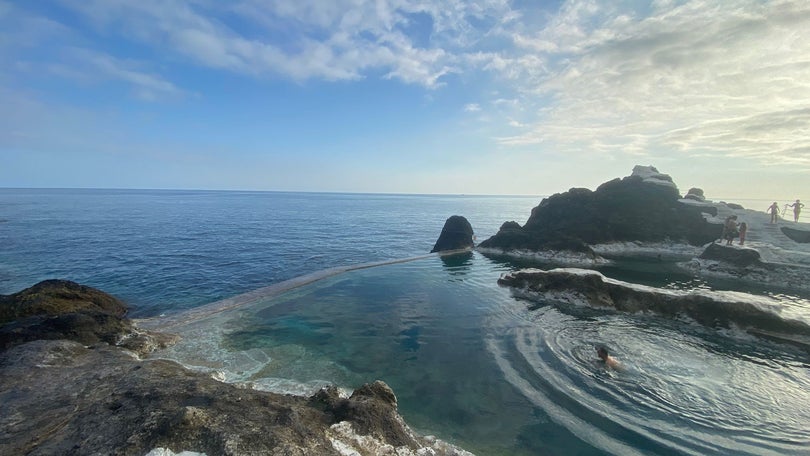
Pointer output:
x,y
469,362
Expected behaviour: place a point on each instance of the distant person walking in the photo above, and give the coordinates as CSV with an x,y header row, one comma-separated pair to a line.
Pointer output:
x,y
773,209
743,230
797,209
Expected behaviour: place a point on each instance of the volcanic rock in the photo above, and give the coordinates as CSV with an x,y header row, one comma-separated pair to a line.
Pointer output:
x,y
695,194
713,309
800,236
642,207
61,309
740,257
456,234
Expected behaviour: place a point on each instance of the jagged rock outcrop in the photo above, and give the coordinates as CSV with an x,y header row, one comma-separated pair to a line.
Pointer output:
x,y
800,236
713,309
695,194
456,234
65,397
642,207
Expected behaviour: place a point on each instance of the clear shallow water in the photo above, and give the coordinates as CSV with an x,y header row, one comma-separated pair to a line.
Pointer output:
x,y
468,362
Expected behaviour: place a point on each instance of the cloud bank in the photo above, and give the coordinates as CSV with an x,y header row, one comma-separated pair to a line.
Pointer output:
x,y
664,78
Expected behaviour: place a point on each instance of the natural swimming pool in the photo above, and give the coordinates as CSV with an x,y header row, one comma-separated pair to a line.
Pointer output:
x,y
494,374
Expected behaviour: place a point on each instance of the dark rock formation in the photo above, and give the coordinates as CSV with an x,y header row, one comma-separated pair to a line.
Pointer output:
x,y
735,256
61,309
58,297
695,194
372,411
62,397
709,308
800,236
636,208
456,234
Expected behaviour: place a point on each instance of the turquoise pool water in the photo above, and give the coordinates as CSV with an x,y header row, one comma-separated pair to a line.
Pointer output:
x,y
475,366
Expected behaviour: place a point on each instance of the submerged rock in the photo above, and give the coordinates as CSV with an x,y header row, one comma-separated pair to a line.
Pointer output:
x,y
64,397
757,315
457,234
642,207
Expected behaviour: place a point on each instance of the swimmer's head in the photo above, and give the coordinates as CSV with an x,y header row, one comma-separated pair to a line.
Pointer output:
x,y
602,351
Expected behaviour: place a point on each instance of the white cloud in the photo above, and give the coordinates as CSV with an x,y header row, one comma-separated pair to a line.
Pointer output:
x,y
305,39
685,77
729,79
472,107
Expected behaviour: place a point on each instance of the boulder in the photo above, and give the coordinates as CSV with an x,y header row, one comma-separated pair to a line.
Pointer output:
x,y
456,234
61,309
735,256
642,207
58,297
800,236
695,194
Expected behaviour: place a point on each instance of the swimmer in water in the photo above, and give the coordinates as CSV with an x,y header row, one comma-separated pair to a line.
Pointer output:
x,y
609,361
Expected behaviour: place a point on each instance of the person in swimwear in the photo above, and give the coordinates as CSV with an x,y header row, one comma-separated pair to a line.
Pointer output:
x,y
609,361
797,209
743,231
773,209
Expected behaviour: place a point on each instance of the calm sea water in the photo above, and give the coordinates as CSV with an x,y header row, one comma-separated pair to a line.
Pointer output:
x,y
469,362
163,251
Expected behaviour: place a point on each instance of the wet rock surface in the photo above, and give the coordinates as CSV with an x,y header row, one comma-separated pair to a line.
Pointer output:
x,y
75,392
713,309
735,256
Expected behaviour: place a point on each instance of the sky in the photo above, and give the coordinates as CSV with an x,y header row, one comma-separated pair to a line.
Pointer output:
x,y
522,97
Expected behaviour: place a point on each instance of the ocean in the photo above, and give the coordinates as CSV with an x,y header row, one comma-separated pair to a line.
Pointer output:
x,y
470,362
165,251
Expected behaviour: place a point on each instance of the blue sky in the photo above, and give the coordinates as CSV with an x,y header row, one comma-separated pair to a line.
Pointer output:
x,y
445,96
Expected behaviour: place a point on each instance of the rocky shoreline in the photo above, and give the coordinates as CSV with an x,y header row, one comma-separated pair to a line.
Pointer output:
x,y
75,378
643,216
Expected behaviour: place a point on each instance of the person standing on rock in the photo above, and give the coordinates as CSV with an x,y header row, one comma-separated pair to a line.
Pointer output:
x,y
797,209
773,209
730,229
743,230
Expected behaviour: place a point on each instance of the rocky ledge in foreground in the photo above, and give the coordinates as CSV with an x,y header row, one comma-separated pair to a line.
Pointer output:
x,y
74,391
643,207
754,314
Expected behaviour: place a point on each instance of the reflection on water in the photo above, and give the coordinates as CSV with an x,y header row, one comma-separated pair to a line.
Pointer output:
x,y
477,367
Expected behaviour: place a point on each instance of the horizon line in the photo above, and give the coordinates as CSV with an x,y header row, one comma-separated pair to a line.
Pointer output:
x,y
336,192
